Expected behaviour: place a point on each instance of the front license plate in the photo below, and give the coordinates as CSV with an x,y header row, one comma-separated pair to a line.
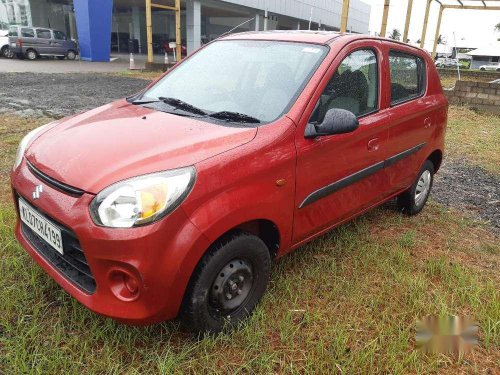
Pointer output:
x,y
41,226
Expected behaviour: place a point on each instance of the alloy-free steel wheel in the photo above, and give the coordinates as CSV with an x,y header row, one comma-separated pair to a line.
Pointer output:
x,y
413,200
31,54
227,284
71,55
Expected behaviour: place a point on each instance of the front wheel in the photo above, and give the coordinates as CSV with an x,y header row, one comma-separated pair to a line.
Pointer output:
x,y
412,201
227,284
483,69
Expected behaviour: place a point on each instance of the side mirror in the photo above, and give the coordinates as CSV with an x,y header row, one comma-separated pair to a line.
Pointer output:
x,y
336,121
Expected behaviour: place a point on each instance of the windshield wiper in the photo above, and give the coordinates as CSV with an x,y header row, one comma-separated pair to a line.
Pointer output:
x,y
144,101
177,103
234,117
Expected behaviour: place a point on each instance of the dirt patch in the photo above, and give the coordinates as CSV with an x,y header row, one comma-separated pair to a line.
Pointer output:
x,y
58,95
470,189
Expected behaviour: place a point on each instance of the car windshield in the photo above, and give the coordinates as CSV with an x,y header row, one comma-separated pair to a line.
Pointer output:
x,y
258,79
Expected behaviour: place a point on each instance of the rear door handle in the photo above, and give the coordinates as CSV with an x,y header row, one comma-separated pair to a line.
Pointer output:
x,y
427,123
373,144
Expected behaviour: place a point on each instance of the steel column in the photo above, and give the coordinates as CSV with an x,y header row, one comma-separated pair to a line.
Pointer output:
x,y
424,27
149,31
345,16
441,8
407,23
385,15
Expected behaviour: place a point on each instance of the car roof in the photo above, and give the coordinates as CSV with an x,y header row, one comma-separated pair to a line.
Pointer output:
x,y
306,36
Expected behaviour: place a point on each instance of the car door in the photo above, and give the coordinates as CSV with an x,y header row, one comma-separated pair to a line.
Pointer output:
x,y
43,41
28,37
58,42
340,175
412,113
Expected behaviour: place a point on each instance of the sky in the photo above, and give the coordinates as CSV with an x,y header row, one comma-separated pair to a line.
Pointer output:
x,y
474,28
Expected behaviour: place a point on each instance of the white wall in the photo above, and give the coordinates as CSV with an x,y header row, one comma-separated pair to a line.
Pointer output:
x,y
328,12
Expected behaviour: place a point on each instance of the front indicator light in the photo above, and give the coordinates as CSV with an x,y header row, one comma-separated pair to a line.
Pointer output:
x,y
142,200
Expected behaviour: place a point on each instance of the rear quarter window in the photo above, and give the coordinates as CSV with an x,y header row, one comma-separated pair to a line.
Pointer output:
x,y
407,76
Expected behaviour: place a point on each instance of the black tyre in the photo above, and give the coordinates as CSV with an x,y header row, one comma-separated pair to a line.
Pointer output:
x,y
483,69
31,54
71,55
227,284
412,201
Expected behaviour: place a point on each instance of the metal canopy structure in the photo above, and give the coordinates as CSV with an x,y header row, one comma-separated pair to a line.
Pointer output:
x,y
149,26
443,4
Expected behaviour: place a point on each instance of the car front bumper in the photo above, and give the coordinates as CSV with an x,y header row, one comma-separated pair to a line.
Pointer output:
x,y
140,273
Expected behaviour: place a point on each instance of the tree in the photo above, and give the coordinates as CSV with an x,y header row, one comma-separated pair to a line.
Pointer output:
x,y
497,27
395,34
441,39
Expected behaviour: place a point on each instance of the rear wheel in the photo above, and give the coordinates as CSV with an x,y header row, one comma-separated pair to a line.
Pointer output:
x,y
71,55
31,54
227,284
412,201
483,69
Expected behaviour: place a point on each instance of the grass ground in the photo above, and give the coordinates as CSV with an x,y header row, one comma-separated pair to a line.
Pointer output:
x,y
345,303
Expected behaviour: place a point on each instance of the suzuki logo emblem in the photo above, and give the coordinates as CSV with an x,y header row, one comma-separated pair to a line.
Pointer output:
x,y
38,190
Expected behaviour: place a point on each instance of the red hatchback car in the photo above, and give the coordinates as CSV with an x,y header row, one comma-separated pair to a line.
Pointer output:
x,y
176,200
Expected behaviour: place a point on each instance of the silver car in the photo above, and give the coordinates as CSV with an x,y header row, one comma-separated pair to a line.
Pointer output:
x,y
32,42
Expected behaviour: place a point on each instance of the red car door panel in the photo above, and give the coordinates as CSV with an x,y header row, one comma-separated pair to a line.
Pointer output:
x,y
338,175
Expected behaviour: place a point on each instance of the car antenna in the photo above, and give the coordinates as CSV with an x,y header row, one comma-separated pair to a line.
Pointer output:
x,y
234,28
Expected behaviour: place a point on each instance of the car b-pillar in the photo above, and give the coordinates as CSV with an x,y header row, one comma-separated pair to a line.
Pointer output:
x,y
93,23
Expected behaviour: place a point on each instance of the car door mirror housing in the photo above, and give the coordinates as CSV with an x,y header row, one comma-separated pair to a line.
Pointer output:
x,y
336,121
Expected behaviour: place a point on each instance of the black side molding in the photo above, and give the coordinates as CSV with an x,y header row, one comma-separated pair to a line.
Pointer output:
x,y
394,159
68,189
355,177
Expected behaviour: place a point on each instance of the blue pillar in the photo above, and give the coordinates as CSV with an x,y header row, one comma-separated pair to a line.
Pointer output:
x,y
93,23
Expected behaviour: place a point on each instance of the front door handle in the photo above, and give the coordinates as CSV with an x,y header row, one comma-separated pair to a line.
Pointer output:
x,y
427,123
373,144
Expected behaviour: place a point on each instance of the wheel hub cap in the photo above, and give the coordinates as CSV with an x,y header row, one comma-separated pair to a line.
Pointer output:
x,y
231,286
423,187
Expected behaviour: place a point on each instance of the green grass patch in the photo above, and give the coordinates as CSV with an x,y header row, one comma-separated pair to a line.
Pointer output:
x,y
345,303
474,136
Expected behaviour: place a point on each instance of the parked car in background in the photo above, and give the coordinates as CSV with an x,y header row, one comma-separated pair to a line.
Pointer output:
x,y
33,42
4,44
495,66
177,199
168,49
446,63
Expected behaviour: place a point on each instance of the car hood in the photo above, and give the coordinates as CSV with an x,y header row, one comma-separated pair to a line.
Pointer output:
x,y
92,150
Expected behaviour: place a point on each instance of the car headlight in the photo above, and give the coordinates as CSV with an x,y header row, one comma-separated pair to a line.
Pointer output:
x,y
24,143
142,200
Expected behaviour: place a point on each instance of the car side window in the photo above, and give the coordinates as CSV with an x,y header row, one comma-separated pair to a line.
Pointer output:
x,y
353,86
407,76
27,33
59,35
43,34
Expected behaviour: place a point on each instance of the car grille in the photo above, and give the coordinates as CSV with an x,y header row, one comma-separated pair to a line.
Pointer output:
x,y
65,188
73,264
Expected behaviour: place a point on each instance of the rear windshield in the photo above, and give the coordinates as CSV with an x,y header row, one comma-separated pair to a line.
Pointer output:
x,y
257,78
